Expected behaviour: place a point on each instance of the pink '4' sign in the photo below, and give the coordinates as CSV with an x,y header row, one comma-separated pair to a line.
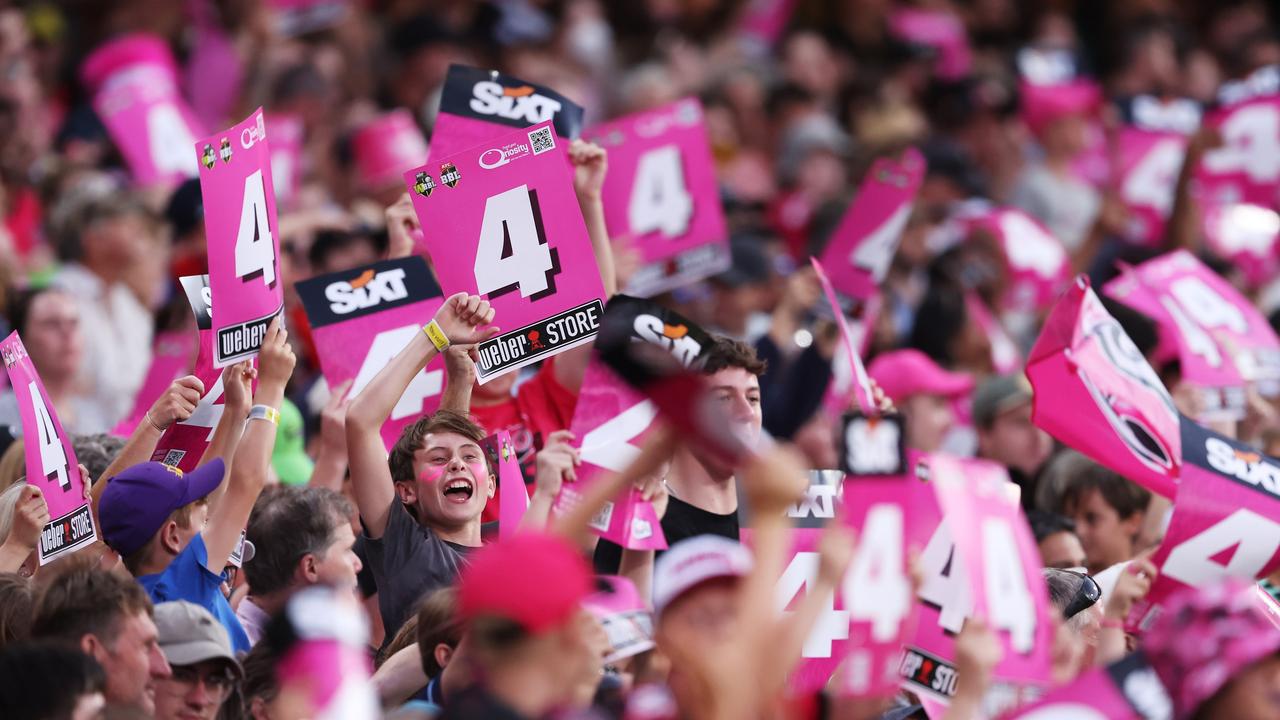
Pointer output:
x,y
360,319
1149,150
1127,689
661,193
240,222
51,462
504,223
865,241
1038,265
1247,166
135,91
1095,392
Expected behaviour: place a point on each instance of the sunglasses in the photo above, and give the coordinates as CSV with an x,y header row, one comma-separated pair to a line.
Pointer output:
x,y
1086,597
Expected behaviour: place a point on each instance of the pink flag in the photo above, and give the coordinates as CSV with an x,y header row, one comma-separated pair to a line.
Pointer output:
x,y
1127,689
171,357
861,385
244,250
385,147
360,319
764,20
1247,167
864,243
504,223
134,84
1226,519
1038,265
513,497
1247,236
51,461
1150,147
1095,392
938,29
661,193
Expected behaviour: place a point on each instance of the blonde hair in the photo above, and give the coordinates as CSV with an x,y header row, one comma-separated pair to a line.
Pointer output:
x,y
13,464
8,506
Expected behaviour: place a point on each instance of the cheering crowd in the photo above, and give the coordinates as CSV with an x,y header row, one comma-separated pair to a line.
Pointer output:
x,y
309,566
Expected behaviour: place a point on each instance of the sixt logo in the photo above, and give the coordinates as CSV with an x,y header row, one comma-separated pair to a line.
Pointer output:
x,y
517,103
674,338
1249,467
366,290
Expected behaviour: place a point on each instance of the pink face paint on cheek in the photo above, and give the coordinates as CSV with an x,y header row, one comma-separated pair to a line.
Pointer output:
x,y
433,473
479,471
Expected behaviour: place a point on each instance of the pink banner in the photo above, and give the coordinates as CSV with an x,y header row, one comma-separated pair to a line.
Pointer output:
x,y
479,106
363,317
1095,392
860,387
172,356
513,496
51,461
1245,235
134,84
1224,343
244,250
1247,167
765,20
1226,519
1038,265
1128,689
938,29
661,193
505,224
864,243
385,147
1148,164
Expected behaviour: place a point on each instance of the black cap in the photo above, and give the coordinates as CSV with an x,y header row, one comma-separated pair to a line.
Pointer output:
x,y
185,211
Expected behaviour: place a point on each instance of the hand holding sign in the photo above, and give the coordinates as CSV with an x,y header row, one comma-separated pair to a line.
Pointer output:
x,y
557,464
177,403
462,316
30,515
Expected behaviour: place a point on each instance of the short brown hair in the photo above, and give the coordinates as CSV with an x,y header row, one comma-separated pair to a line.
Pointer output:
x,y
413,438
438,623
1125,496
15,608
725,352
82,599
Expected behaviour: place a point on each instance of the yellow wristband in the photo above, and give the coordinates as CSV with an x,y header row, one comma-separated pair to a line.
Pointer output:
x,y
436,335
264,412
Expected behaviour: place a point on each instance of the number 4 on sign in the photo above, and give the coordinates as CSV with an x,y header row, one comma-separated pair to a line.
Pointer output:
x,y
53,458
660,201
512,251
832,624
875,588
255,248
384,347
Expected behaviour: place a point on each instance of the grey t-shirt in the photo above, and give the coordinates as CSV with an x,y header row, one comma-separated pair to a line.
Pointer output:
x,y
408,562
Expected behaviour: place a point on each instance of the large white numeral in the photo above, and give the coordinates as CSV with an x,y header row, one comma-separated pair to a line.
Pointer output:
x,y
208,411
1254,537
832,624
1251,138
255,249
1206,306
170,141
1196,339
53,458
510,251
609,446
875,588
1009,602
1150,182
384,347
1029,247
949,592
877,249
660,200
1064,711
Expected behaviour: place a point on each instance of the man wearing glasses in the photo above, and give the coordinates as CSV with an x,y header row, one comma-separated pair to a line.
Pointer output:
x,y
204,668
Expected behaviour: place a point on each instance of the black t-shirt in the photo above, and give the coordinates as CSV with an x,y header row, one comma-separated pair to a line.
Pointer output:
x,y
681,521
476,704
408,562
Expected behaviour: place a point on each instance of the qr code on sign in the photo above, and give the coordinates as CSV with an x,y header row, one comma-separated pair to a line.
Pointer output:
x,y
173,457
603,518
542,140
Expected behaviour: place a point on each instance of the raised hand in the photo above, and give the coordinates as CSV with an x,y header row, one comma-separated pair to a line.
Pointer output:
x,y
237,385
275,359
177,402
30,515
590,165
402,225
333,418
463,319
1133,585
557,463
775,481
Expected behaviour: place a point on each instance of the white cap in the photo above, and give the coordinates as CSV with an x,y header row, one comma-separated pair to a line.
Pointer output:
x,y
694,561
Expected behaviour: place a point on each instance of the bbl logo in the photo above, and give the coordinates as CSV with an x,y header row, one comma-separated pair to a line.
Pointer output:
x,y
423,184
207,157
449,174
225,151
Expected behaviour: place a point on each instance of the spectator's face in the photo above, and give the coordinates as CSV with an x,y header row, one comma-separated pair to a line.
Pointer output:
x,y
337,565
354,254
453,481
1089,623
705,616
134,664
929,418
1252,695
120,241
1014,441
1107,538
738,393
1062,550
194,692
53,335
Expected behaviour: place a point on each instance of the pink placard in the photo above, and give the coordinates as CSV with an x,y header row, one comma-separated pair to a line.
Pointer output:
x,y
1247,236
513,497
864,243
860,386
928,662
661,193
836,400
765,20
51,461
1148,164
1226,519
1038,265
360,319
133,81
478,106
244,250
1247,167
385,147
938,29
172,355
1128,689
1223,342
1095,392
510,229
287,135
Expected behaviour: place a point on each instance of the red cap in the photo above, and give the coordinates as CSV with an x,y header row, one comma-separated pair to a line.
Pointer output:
x,y
537,581
904,373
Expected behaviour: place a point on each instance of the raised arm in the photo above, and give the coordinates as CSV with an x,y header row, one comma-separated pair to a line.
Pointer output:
x,y
460,377
237,392
557,464
30,515
460,319
248,474
331,458
402,223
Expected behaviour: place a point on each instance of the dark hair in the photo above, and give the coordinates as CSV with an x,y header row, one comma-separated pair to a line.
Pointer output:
x,y
404,637
328,242
83,213
286,525
82,599
411,440
1043,524
437,623
39,681
726,352
941,318
1063,586
96,452
259,675
20,303
15,608
1127,497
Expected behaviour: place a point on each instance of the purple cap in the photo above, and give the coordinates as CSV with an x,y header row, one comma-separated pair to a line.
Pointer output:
x,y
140,498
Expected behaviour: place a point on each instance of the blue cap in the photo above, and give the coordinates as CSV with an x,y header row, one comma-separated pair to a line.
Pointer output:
x,y
140,498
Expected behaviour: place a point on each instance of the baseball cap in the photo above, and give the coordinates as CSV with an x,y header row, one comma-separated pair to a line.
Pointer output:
x,y
189,634
537,581
140,498
1203,638
289,456
997,395
1043,105
626,620
691,562
904,373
